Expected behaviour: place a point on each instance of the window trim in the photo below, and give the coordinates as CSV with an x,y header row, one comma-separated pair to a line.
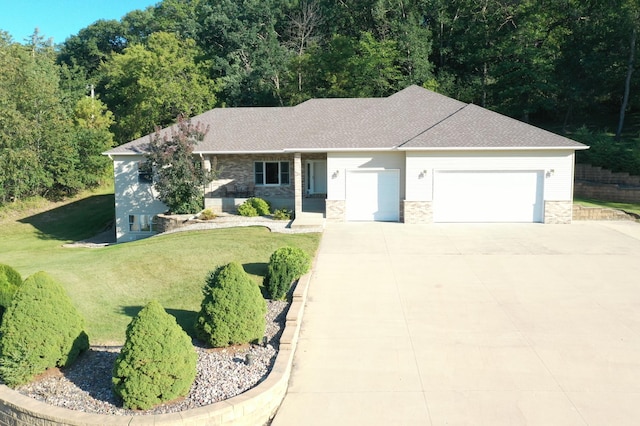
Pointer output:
x,y
145,223
144,176
260,173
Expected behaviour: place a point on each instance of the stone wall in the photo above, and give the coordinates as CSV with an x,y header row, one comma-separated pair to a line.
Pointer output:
x,y
417,212
602,184
238,169
598,174
335,210
600,213
165,223
557,212
607,192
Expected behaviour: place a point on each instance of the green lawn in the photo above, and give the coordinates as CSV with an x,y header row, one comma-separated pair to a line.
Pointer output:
x,y
627,207
110,285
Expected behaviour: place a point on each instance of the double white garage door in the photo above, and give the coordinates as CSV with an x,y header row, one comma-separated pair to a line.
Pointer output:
x,y
488,196
458,196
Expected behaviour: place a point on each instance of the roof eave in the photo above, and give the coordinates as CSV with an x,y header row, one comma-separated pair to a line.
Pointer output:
x,y
496,148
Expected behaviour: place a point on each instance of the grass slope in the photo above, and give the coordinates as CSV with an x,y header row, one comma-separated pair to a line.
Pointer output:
x,y
110,285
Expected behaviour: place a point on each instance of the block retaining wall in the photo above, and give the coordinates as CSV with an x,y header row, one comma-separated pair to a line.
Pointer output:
x,y
600,213
254,407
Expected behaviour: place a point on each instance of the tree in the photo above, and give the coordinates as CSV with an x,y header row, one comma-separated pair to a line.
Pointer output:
x,y
178,178
91,138
632,10
241,39
233,309
41,329
149,85
157,362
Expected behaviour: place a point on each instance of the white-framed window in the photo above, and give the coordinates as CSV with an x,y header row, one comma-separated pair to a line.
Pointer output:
x,y
141,223
145,172
271,172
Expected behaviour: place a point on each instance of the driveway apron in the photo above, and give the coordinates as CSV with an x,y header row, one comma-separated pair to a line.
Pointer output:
x,y
479,324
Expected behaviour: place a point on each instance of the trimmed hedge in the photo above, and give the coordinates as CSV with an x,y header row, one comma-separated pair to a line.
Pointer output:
x,y
40,330
233,309
157,362
286,265
10,280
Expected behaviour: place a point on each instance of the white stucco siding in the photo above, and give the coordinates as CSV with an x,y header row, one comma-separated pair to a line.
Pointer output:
x,y
339,162
132,197
557,168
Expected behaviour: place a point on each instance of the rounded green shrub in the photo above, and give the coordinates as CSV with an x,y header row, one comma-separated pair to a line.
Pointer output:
x,y
10,280
233,309
286,265
40,330
157,362
246,209
254,207
261,206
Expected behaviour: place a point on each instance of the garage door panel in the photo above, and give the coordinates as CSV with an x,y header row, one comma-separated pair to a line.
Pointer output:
x,y
488,196
373,195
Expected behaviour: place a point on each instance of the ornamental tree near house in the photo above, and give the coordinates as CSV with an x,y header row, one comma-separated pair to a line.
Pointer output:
x,y
178,177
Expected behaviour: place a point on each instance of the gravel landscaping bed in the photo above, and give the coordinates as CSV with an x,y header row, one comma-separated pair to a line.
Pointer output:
x,y
222,374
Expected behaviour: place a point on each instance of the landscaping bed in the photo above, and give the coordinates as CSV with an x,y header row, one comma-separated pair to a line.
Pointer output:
x,y
221,374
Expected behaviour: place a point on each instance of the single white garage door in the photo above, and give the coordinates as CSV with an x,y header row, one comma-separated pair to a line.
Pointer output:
x,y
488,196
373,195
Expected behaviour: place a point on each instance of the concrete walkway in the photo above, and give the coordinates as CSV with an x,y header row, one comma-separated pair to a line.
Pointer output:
x,y
521,324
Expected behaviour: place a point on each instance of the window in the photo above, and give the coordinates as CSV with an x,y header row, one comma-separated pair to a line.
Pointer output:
x,y
141,223
145,173
271,172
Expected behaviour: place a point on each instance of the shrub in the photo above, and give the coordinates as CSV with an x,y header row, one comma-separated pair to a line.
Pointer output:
x,y
254,207
40,330
10,280
233,309
282,214
246,209
207,214
286,265
261,206
157,362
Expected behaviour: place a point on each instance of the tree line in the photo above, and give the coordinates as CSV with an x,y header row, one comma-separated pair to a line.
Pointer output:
x,y
565,62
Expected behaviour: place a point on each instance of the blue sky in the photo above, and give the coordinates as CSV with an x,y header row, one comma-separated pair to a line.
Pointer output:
x,y
61,18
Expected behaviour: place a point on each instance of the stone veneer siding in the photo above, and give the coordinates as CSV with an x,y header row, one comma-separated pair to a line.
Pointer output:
x,y
417,212
238,169
335,210
558,212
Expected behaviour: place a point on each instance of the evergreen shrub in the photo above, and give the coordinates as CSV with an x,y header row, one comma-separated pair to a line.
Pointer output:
x,y
286,265
10,280
233,309
41,329
157,362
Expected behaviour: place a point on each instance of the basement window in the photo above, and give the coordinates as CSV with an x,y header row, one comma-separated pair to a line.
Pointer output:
x,y
141,223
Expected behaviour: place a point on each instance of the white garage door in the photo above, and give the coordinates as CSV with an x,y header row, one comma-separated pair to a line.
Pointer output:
x,y
373,195
488,196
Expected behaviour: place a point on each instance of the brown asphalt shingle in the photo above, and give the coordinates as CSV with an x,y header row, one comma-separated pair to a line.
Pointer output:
x,y
414,118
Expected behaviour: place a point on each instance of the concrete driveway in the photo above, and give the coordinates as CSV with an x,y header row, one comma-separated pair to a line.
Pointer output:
x,y
518,324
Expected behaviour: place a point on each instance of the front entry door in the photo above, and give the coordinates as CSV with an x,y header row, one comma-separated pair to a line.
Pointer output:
x,y
316,177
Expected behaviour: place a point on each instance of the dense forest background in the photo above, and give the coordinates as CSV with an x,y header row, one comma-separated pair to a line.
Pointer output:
x,y
566,65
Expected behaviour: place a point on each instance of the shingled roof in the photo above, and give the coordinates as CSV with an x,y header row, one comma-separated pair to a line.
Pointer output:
x,y
412,119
